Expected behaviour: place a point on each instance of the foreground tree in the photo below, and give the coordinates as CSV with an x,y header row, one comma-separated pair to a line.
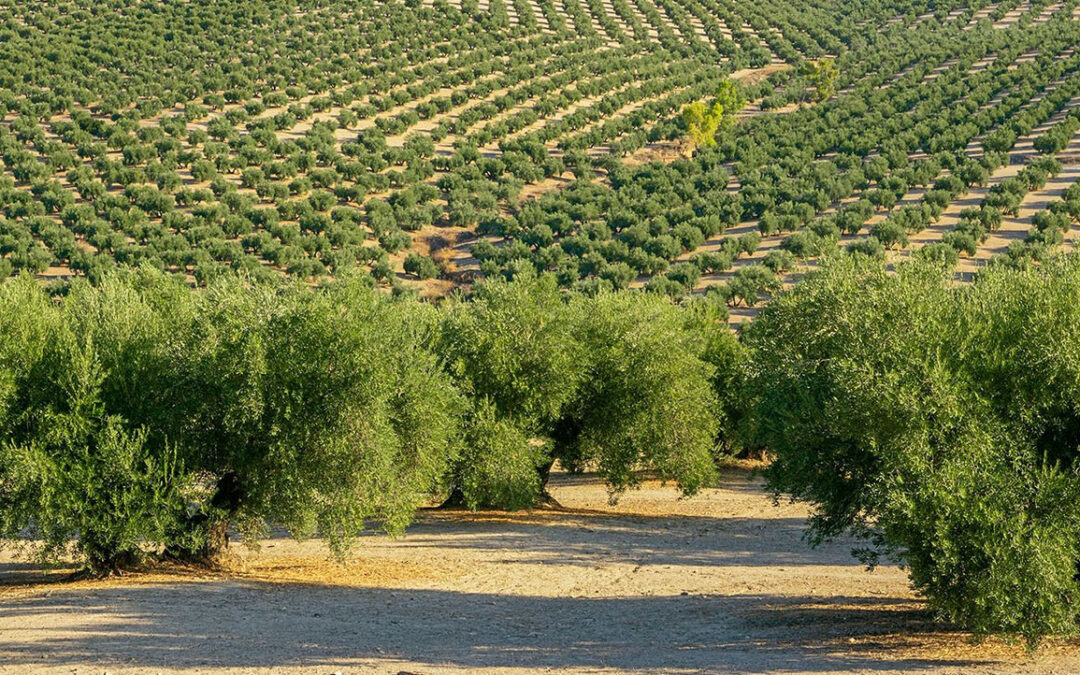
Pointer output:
x,y
142,417
616,382
939,423
646,403
76,475
315,411
513,351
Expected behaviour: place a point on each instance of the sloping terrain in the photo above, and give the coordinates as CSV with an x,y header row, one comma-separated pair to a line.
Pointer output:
x,y
465,138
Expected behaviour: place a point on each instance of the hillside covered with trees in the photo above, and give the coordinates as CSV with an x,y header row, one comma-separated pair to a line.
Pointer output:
x,y
432,144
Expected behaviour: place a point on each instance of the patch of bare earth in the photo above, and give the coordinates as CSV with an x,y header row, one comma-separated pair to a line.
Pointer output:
x,y
718,583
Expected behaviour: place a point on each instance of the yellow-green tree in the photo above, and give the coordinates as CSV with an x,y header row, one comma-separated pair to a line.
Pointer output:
x,y
704,120
821,74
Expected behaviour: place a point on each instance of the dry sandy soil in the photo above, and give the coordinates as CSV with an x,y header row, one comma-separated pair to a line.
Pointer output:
x,y
720,583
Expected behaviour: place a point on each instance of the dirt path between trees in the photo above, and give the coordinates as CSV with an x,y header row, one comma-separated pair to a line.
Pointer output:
x,y
720,583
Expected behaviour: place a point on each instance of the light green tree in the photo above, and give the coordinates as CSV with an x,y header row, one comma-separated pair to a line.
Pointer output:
x,y
704,121
821,74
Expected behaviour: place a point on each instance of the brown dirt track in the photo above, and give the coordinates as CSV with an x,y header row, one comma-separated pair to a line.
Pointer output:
x,y
720,583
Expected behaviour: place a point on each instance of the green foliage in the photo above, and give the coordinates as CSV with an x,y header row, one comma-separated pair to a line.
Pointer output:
x,y
918,415
646,402
499,464
728,359
513,345
704,121
88,484
73,473
328,407
822,76
421,266
611,381
142,415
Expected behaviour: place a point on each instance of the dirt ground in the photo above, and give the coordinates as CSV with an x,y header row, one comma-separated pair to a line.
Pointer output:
x,y
720,583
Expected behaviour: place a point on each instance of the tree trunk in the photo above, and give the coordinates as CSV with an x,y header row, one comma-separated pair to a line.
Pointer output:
x,y
103,562
455,501
546,500
226,502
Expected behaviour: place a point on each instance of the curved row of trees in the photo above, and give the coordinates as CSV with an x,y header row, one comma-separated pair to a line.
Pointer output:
x,y
218,185
215,175
156,59
234,147
819,172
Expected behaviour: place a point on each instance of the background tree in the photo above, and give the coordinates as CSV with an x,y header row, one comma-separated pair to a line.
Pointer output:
x,y
704,121
821,75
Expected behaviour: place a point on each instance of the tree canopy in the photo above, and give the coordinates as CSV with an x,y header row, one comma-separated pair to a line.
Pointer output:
x,y
918,415
704,121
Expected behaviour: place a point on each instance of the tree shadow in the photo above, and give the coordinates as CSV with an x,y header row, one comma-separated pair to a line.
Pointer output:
x,y
737,477
252,624
27,573
203,621
583,537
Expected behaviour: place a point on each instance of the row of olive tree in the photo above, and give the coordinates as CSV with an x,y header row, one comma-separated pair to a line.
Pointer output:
x,y
938,422
142,418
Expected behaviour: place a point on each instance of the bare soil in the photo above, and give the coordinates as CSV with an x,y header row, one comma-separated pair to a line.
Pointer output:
x,y
718,583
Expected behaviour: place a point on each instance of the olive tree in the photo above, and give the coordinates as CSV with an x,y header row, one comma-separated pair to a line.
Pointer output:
x,y
315,410
141,417
513,350
938,423
78,474
616,382
646,402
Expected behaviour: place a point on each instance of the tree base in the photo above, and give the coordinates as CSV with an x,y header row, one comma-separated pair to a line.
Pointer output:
x,y
456,502
118,565
549,502
206,555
